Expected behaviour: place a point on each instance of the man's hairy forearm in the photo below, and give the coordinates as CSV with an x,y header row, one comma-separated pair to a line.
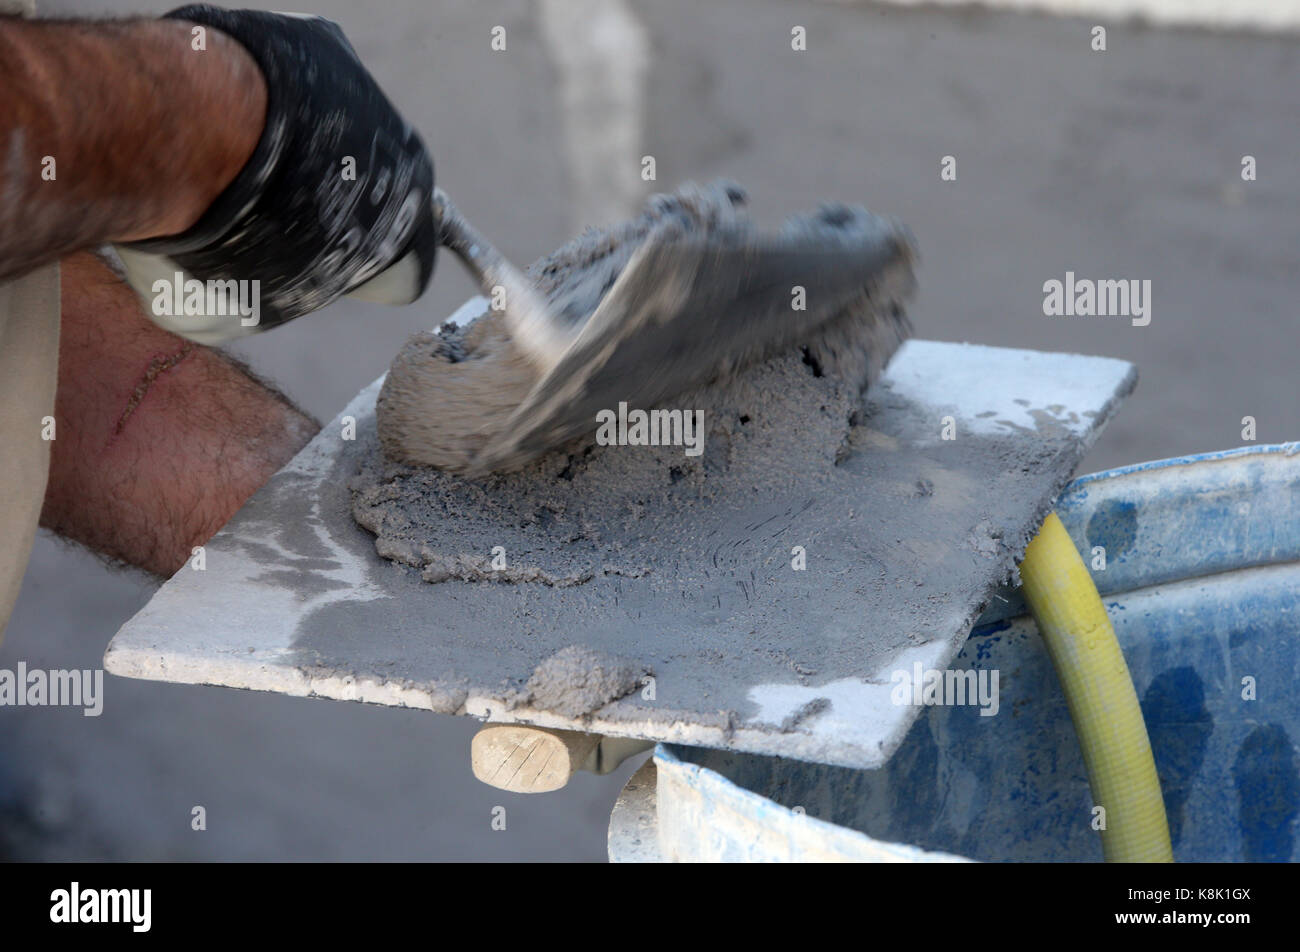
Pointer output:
x,y
113,131
157,441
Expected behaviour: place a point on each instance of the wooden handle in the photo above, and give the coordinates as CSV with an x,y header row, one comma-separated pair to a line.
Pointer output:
x,y
525,759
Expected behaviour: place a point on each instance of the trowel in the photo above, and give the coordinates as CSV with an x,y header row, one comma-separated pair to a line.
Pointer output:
x,y
703,296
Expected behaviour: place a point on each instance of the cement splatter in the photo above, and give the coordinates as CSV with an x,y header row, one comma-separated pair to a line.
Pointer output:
x,y
577,680
810,709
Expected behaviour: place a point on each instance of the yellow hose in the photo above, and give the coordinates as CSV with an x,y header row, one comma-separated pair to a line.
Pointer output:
x,y
1099,690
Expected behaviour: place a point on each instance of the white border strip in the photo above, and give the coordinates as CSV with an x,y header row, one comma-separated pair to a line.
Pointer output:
x,y
1267,15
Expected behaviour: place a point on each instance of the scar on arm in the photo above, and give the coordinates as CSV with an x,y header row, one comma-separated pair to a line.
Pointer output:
x,y
157,367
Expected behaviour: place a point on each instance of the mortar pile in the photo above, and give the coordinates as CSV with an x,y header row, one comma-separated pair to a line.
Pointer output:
x,y
620,506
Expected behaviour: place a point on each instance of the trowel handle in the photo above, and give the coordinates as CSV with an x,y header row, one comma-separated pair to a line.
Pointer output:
x,y
526,759
529,318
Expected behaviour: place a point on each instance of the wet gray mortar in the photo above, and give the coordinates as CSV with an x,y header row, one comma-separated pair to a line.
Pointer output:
x,y
586,510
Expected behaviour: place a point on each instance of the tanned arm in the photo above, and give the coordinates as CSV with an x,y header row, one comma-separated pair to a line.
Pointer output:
x,y
158,440
144,130
153,134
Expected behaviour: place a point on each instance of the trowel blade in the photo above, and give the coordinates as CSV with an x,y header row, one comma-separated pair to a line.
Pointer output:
x,y
688,310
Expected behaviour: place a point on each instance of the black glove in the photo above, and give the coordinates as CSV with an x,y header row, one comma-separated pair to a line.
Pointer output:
x,y
296,218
